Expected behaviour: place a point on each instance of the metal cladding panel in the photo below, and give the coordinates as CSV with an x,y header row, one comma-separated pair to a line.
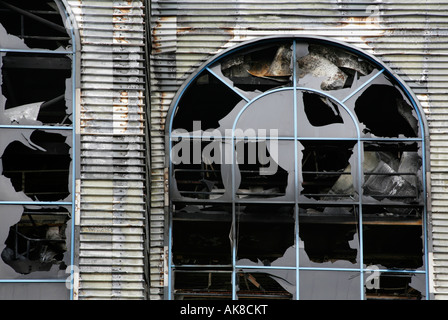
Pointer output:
x,y
112,149
410,37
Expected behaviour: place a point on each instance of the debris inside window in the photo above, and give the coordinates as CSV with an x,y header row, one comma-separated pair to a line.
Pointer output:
x,y
38,241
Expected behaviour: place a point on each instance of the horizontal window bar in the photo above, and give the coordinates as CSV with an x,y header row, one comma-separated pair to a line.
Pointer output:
x,y
36,127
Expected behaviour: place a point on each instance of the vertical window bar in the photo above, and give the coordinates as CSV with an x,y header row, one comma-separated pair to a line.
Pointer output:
x,y
296,173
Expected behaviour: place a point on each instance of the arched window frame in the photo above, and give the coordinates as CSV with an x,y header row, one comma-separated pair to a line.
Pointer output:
x,y
423,139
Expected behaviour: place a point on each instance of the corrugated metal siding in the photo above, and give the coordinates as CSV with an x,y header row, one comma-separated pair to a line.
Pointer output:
x,y
112,149
409,36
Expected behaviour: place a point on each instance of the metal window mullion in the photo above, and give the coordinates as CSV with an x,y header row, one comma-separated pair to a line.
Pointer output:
x,y
296,173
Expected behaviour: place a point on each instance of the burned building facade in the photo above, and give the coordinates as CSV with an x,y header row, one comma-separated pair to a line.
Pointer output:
x,y
223,150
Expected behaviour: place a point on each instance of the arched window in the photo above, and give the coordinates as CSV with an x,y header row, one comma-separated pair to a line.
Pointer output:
x,y
37,157
297,171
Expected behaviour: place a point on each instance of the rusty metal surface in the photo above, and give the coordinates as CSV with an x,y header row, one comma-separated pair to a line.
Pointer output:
x,y
112,143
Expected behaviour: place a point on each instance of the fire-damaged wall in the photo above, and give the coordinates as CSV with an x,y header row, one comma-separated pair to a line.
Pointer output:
x,y
407,37
83,115
72,150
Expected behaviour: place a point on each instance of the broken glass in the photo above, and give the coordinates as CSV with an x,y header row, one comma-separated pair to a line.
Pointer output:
x,y
207,240
392,173
392,243
319,116
260,176
265,235
34,240
385,112
328,170
266,284
200,169
394,286
35,164
329,236
329,285
33,24
202,284
25,98
206,101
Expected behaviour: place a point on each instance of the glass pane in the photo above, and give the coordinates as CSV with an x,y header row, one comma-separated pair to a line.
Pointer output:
x,y
392,173
36,89
258,174
201,237
201,169
384,110
36,165
20,30
329,169
394,286
266,284
329,237
206,101
202,284
35,241
390,241
329,285
320,116
34,291
269,116
265,235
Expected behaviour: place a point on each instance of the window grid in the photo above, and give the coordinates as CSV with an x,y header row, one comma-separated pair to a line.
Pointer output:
x,y
361,270
68,277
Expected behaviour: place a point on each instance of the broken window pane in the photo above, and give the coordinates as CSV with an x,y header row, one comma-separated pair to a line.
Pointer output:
x,y
320,116
393,242
329,285
34,239
265,235
271,115
32,24
202,284
36,89
259,174
207,240
392,172
394,286
329,236
36,163
200,170
385,112
266,284
206,101
328,170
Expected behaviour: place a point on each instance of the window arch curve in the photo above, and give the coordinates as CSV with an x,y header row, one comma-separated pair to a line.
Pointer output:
x,y
296,163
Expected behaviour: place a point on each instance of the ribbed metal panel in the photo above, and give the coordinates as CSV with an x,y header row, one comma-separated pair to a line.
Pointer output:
x,y
112,149
409,36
